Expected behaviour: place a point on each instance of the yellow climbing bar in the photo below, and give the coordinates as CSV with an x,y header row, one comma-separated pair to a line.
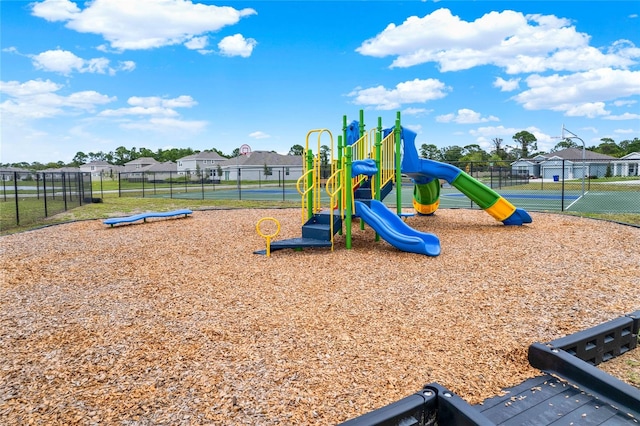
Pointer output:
x,y
268,237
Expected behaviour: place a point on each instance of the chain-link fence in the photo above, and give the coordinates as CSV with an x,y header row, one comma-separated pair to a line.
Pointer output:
x,y
495,175
30,197
246,183
590,186
556,184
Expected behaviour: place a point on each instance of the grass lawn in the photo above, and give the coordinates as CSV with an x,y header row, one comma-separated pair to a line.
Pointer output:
x,y
113,205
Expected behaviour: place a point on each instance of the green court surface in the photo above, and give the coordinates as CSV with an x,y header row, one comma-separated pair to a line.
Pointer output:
x,y
607,202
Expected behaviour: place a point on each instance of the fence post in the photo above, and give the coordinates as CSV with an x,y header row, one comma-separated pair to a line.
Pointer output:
x,y
80,186
562,190
283,193
119,184
64,189
15,190
44,193
491,177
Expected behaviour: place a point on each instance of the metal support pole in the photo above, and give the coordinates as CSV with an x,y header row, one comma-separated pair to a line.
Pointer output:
x,y
584,149
349,196
15,192
398,164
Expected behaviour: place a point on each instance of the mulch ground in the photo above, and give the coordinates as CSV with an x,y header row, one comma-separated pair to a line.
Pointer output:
x,y
178,322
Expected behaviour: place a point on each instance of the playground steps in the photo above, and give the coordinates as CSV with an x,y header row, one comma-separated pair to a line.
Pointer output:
x,y
319,226
316,232
295,243
363,192
570,391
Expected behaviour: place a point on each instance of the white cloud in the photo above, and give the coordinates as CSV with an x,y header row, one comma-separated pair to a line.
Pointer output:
x,y
484,136
61,61
237,45
579,94
126,65
625,102
65,62
408,92
415,111
507,85
259,135
36,99
56,10
197,43
183,101
142,24
515,42
465,116
587,109
625,116
625,131
138,110
417,128
156,114
151,106
162,124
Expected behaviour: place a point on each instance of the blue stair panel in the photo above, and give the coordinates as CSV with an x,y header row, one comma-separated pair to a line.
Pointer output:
x,y
319,226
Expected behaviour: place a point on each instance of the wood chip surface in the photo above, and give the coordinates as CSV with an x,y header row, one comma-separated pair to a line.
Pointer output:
x,y
178,322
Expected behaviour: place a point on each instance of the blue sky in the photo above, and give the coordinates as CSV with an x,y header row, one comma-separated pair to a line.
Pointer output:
x,y
93,76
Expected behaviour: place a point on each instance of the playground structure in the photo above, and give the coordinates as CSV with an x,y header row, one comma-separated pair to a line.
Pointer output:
x,y
361,172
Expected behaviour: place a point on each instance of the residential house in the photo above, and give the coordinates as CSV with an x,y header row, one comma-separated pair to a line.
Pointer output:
x,y
138,164
7,174
53,173
262,166
101,168
201,164
161,172
149,169
629,165
567,164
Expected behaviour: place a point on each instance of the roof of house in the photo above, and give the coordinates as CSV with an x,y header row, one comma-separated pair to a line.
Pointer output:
x,y
631,156
168,166
62,170
260,158
13,169
573,154
204,155
141,160
97,163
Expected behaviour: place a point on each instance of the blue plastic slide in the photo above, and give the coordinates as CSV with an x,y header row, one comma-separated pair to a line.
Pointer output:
x,y
395,231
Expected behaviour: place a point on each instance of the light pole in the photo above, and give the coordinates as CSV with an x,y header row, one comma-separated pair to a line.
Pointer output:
x,y
583,151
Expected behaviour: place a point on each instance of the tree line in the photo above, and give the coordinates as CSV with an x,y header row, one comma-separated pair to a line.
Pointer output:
x,y
524,146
